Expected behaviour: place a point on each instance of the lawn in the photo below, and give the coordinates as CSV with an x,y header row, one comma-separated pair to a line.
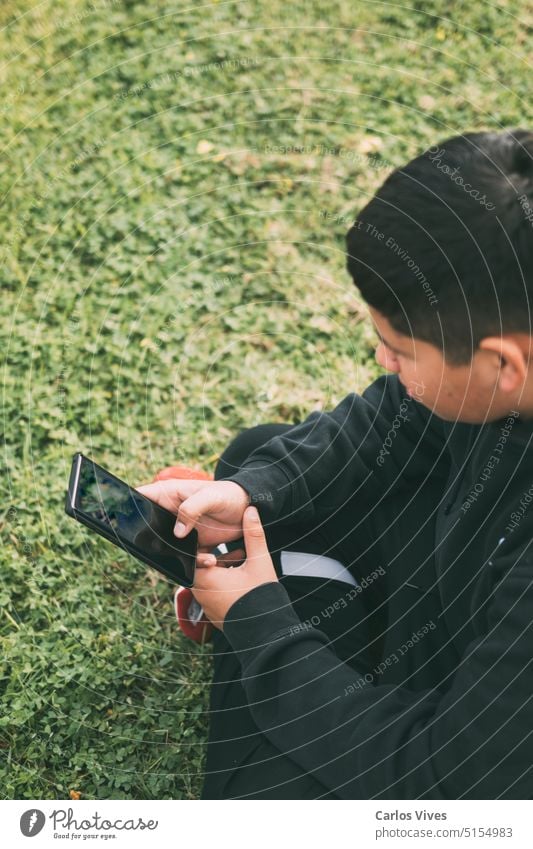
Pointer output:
x,y
177,184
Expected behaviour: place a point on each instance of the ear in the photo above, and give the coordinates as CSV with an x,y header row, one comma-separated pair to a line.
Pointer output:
x,y
512,362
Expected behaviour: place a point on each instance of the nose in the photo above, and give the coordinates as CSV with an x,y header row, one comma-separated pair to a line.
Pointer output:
x,y
386,359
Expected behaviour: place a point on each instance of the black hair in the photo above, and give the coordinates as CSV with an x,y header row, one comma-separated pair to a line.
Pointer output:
x,y
444,250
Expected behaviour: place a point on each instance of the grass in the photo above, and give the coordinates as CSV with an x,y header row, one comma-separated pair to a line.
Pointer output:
x,y
178,182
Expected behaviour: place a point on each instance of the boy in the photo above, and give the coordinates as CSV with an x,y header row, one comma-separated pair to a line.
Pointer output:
x,y
378,640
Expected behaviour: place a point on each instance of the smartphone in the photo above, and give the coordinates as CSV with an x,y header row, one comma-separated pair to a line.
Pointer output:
x,y
120,514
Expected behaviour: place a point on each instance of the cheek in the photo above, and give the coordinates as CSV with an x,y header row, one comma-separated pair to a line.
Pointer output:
x,y
447,395
409,373
422,384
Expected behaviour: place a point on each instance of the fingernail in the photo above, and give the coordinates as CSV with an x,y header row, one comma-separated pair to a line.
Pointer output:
x,y
211,560
253,514
179,529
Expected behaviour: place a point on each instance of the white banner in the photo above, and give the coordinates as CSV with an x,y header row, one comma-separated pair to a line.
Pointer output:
x,y
276,825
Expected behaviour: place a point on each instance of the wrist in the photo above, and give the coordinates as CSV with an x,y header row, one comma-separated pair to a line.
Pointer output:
x,y
243,494
246,494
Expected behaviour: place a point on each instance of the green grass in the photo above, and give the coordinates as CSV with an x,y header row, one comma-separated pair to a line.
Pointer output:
x,y
178,181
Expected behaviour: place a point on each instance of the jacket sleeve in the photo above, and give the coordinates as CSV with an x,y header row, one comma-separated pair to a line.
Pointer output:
x,y
369,444
385,741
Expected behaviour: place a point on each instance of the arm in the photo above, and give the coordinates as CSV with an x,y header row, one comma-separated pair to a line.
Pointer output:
x,y
387,741
370,443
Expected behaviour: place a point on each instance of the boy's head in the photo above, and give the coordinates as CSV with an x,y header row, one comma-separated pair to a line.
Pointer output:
x,y
443,255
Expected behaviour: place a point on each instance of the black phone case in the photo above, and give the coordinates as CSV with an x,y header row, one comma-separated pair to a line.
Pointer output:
x,y
81,517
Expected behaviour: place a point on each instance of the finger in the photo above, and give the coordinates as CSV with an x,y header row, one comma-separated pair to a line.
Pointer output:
x,y
167,494
254,535
232,558
191,509
205,560
171,492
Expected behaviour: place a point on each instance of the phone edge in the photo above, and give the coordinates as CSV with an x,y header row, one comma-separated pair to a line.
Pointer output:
x,y
81,517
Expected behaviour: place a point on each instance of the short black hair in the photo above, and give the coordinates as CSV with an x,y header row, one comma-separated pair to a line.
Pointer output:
x,y
444,250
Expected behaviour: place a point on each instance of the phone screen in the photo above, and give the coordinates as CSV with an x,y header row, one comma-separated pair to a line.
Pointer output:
x,y
131,520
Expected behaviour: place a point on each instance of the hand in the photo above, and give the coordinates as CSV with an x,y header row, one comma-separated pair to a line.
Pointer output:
x,y
214,508
216,588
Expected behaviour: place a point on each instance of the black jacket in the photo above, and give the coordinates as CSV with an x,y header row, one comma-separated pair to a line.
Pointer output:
x,y
466,732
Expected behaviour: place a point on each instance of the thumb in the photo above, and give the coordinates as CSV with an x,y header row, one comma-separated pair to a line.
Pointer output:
x,y
254,534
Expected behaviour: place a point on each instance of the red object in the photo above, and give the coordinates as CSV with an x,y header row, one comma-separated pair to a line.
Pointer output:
x,y
201,630
183,472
